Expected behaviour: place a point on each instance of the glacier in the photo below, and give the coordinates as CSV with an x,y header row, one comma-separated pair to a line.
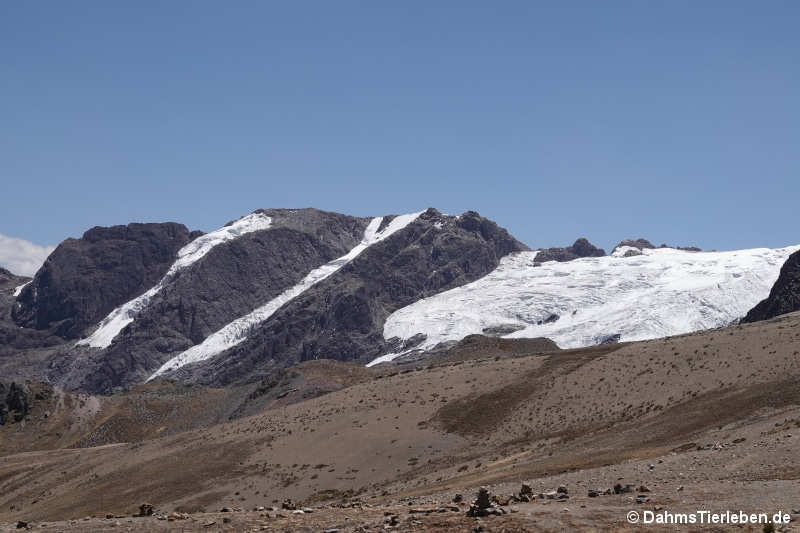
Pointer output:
x,y
237,331
123,315
660,293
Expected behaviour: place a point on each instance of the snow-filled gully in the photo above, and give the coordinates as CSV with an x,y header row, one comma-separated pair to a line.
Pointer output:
x,y
188,255
237,331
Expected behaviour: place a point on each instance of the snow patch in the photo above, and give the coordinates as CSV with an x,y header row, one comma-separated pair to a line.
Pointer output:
x,y
660,293
18,290
188,255
620,251
238,330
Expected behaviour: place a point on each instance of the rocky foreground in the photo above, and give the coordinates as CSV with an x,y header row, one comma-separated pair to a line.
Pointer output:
x,y
525,510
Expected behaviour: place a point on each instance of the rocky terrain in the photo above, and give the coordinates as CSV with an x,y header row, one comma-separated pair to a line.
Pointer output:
x,y
565,440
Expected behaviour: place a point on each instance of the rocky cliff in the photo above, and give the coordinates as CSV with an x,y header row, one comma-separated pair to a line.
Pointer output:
x,y
84,279
784,296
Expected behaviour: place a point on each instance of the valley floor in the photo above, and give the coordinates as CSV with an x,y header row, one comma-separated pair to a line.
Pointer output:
x,y
708,421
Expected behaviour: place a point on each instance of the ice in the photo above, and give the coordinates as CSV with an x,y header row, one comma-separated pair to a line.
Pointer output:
x,y
188,255
18,290
238,330
660,293
620,251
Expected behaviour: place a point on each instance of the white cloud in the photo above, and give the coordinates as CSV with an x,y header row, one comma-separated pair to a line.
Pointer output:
x,y
22,257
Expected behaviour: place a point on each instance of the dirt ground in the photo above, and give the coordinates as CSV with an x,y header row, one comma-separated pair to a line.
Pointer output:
x,y
708,421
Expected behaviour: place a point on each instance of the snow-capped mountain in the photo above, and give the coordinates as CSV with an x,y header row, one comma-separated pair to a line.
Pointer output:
x,y
195,250
634,294
270,289
127,304
237,331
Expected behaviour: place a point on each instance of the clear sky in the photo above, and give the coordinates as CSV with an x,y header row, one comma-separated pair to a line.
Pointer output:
x,y
678,121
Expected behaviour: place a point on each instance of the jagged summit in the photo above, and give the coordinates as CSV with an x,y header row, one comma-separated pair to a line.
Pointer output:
x,y
581,248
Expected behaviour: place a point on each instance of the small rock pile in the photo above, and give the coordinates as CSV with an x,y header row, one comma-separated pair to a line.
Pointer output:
x,y
289,505
483,506
146,509
525,493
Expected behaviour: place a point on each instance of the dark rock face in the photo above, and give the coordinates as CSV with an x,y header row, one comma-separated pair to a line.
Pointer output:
x,y
84,279
342,317
784,296
581,248
230,281
13,339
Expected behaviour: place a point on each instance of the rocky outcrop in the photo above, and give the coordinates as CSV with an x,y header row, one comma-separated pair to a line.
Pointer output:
x,y
15,401
644,244
581,248
84,279
784,296
342,317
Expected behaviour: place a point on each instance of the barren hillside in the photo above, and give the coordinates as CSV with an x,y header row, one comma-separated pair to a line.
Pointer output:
x,y
698,418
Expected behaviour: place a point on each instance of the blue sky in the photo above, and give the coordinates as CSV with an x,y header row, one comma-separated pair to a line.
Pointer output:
x,y
677,121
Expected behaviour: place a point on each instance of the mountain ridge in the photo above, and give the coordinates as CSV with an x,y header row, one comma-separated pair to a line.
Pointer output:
x,y
278,287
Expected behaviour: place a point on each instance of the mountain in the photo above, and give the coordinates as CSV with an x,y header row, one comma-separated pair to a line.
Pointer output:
x,y
198,380
784,296
656,292
273,288
130,304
